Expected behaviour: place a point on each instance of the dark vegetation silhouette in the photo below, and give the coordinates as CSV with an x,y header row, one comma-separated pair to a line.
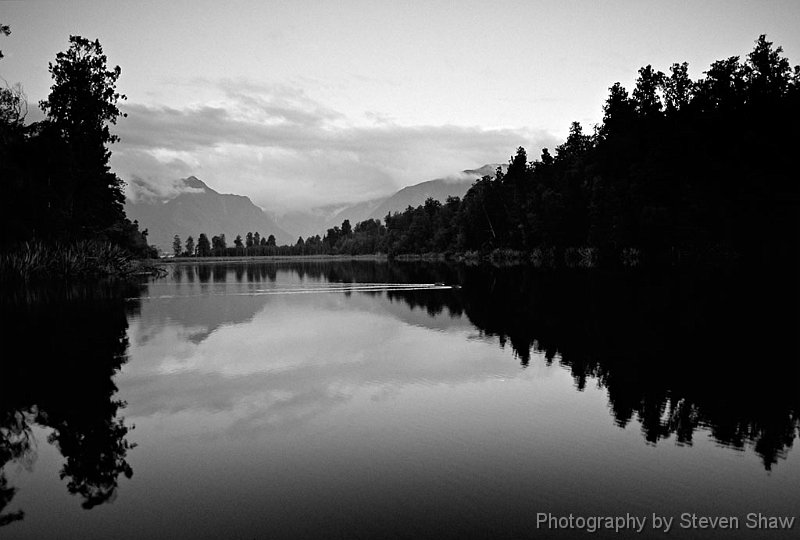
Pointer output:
x,y
679,170
678,352
65,346
58,189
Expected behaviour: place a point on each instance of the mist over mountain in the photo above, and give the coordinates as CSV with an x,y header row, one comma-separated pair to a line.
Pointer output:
x,y
439,189
318,220
189,207
199,209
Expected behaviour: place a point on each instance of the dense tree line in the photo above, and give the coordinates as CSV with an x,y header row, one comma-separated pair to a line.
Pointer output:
x,y
55,176
253,245
678,168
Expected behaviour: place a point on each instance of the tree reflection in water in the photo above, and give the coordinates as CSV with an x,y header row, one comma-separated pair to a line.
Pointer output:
x,y
67,347
678,352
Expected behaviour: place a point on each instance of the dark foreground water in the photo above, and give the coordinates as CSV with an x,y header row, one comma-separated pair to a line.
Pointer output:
x,y
363,400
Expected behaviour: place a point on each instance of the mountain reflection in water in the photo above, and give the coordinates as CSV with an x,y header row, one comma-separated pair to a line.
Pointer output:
x,y
676,353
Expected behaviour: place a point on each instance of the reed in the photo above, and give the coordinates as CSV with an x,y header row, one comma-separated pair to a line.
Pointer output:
x,y
36,260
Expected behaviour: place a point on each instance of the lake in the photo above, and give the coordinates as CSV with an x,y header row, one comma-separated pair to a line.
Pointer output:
x,y
388,400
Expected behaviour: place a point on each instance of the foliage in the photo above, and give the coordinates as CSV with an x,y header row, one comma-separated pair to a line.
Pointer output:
x,y
80,108
87,258
69,390
678,170
57,184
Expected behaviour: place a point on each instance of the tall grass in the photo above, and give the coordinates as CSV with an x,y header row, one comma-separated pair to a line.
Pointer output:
x,y
34,261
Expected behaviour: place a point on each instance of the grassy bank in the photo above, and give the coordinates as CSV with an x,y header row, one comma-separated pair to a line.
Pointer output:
x,y
39,261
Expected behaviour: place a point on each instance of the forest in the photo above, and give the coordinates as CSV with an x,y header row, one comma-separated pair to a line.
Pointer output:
x,y
62,213
679,170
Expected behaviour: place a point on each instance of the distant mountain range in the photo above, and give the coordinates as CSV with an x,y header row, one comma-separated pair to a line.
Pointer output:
x,y
318,220
199,209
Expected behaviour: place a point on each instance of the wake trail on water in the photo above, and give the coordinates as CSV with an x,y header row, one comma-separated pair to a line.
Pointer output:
x,y
322,289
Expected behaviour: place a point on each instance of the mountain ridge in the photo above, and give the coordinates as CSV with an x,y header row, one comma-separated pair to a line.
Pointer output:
x,y
318,220
196,209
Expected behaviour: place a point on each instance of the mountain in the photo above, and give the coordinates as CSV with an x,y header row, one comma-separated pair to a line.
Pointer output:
x,y
318,220
439,189
199,209
307,223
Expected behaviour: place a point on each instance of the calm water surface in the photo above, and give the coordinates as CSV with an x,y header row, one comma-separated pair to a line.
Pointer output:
x,y
363,400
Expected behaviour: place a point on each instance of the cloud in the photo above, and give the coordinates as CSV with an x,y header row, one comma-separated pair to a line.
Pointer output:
x,y
139,189
286,151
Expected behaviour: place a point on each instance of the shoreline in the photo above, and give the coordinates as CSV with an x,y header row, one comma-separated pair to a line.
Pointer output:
x,y
272,258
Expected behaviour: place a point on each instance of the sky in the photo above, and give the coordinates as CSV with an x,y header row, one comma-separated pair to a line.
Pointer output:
x,y
304,103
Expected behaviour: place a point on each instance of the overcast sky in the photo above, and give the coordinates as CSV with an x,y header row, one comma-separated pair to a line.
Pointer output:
x,y
302,103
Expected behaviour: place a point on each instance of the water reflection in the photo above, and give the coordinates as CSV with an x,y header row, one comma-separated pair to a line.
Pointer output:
x,y
675,352
62,349
400,406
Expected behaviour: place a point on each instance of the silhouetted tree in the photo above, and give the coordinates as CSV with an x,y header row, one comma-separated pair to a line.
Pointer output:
x,y
218,245
203,246
767,72
645,95
80,108
678,88
71,393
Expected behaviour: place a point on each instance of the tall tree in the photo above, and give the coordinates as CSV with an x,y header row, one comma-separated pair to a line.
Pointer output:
x,y
218,245
80,108
176,245
18,206
768,72
203,245
645,95
618,112
678,87
190,246
723,86
347,229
